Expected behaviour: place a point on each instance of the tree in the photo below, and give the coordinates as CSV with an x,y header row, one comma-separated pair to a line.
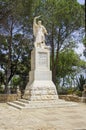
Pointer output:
x,y
13,45
62,19
1,78
68,67
20,58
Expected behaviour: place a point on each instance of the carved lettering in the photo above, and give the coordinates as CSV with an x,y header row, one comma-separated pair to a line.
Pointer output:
x,y
43,59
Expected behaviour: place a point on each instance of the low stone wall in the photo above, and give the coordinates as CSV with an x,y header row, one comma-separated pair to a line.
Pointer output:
x,y
8,97
70,98
13,97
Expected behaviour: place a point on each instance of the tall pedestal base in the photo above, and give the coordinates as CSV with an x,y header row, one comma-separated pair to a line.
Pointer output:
x,y
40,86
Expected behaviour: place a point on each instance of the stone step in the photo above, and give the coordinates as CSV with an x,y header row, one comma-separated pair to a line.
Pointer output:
x,y
23,100
50,104
43,104
49,101
20,103
14,105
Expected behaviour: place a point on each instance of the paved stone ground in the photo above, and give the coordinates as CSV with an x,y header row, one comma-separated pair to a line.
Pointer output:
x,y
67,118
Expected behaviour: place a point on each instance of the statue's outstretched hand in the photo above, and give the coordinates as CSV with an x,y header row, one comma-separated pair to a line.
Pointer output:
x,y
37,17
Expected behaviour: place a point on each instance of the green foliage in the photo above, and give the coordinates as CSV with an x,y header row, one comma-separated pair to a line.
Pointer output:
x,y
71,91
84,43
66,90
15,81
1,90
68,61
61,18
78,93
14,49
69,65
80,82
62,90
19,62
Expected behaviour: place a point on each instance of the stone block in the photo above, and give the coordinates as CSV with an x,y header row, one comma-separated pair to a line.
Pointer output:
x,y
40,86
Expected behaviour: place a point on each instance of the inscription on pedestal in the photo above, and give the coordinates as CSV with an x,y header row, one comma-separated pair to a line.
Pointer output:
x,y
43,59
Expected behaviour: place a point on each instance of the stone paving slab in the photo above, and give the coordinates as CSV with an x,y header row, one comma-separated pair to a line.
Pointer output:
x,y
67,118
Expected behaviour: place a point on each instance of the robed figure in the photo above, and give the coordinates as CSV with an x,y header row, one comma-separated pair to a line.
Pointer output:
x,y
39,32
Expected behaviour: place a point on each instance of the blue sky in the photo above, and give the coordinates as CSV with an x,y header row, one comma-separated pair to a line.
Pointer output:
x,y
80,48
81,1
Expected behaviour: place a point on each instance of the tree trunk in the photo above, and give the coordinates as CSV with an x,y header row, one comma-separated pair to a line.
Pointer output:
x,y
52,54
54,69
54,57
6,88
54,75
8,73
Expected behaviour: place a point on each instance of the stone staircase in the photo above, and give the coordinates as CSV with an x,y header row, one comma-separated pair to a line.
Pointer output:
x,y
25,104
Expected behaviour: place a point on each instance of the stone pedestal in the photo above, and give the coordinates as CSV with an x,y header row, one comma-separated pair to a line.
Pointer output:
x,y
40,86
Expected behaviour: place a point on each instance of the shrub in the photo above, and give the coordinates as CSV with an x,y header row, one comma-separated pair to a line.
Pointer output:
x,y
78,93
80,82
1,90
62,90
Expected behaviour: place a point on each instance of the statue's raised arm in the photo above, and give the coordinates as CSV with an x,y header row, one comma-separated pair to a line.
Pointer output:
x,y
39,32
34,22
35,25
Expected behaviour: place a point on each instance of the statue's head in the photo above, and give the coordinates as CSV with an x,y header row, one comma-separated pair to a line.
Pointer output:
x,y
39,22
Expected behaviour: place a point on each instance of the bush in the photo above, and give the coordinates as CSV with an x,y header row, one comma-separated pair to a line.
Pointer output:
x,y
78,93
1,90
80,82
66,90
62,91
71,90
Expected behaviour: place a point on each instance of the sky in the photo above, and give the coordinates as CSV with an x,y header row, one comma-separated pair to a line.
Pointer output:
x,y
81,1
77,38
80,48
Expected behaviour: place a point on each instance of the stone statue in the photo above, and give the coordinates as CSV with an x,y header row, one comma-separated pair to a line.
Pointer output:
x,y
39,32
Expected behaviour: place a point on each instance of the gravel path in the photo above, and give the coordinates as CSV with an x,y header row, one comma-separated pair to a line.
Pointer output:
x,y
68,118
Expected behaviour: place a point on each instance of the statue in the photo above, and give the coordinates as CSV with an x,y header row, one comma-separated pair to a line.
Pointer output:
x,y
39,32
